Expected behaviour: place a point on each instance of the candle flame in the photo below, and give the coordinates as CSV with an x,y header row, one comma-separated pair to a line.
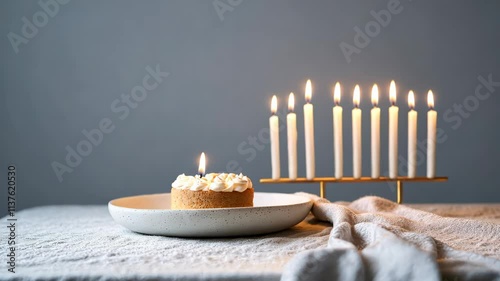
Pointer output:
x,y
375,95
392,92
336,94
291,102
201,167
430,99
411,99
274,105
308,91
356,97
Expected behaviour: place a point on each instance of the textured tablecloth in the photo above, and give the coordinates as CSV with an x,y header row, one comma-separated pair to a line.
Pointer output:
x,y
83,243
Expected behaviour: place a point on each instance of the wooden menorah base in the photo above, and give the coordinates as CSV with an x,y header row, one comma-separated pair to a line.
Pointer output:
x,y
324,180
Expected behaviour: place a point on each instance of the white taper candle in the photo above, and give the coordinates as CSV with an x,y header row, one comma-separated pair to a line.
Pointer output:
x,y
309,132
291,127
337,134
275,139
356,135
412,137
375,134
431,136
393,133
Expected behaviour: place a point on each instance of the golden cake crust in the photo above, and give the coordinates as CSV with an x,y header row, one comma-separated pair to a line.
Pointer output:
x,y
188,199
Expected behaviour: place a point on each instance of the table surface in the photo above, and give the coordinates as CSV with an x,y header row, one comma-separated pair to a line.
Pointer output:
x,y
83,242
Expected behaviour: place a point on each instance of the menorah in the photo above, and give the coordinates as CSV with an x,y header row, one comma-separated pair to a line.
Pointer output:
x,y
356,141
324,180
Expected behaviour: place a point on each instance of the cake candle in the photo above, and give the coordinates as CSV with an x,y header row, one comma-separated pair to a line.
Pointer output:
x,y
201,165
337,134
393,133
291,126
412,137
375,133
309,132
431,136
275,139
356,135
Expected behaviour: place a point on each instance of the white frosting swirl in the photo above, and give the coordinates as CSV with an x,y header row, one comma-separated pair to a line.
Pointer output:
x,y
199,184
223,182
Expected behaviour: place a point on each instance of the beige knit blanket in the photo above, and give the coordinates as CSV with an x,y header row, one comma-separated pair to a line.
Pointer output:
x,y
376,239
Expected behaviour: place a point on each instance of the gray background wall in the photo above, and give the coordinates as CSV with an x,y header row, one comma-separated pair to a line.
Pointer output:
x,y
223,71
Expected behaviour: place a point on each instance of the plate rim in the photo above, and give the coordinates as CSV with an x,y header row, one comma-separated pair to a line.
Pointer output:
x,y
306,201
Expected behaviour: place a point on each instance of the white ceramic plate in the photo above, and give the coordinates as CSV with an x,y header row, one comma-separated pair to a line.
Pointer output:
x,y
151,214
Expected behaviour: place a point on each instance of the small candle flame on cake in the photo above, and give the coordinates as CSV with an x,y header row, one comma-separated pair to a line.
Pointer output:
x,y
201,167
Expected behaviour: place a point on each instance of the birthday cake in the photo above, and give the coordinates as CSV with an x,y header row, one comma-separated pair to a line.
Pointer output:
x,y
214,190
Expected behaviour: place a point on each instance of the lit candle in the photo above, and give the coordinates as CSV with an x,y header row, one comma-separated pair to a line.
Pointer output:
x,y
375,122
291,125
356,135
201,165
431,136
412,137
275,139
309,132
337,134
393,133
